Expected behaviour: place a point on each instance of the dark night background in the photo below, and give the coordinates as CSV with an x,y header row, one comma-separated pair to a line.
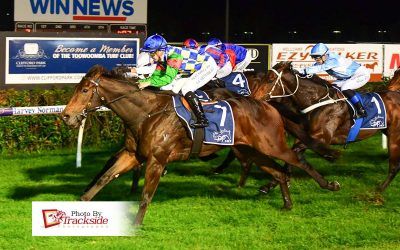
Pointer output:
x,y
260,21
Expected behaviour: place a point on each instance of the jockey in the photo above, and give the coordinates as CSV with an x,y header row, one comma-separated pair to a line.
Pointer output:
x,y
239,56
220,57
350,75
198,68
145,66
190,43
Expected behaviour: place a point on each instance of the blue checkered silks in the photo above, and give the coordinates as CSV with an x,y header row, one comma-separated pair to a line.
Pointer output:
x,y
192,59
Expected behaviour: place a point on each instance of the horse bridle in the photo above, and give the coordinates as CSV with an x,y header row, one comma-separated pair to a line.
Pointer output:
x,y
321,102
103,101
279,82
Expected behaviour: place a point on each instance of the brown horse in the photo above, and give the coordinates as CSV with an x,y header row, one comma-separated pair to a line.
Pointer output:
x,y
160,136
394,83
295,123
331,123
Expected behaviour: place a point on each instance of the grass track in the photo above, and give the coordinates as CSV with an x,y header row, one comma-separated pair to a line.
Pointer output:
x,y
194,209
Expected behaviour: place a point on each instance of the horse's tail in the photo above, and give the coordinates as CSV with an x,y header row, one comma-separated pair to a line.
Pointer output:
x,y
297,125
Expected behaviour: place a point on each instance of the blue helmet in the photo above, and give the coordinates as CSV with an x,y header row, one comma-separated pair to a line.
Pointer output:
x,y
319,49
214,42
154,43
190,43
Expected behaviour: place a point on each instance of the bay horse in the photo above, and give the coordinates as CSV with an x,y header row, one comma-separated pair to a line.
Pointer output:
x,y
394,83
160,136
331,123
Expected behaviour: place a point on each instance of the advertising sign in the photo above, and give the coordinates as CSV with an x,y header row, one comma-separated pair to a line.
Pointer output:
x,y
108,11
259,55
392,59
64,60
369,55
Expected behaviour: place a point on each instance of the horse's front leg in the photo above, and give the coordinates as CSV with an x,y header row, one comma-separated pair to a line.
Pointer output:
x,y
124,162
154,170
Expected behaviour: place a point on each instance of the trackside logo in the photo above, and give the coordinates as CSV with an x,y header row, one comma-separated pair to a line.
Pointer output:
x,y
54,217
82,218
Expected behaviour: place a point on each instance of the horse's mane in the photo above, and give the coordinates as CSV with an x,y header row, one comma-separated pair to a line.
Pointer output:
x,y
109,74
397,71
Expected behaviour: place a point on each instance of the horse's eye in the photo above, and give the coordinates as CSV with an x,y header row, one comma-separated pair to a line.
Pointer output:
x,y
85,90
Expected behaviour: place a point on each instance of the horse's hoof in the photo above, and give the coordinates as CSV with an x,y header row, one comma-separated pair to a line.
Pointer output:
x,y
287,207
334,186
85,198
164,172
217,171
264,190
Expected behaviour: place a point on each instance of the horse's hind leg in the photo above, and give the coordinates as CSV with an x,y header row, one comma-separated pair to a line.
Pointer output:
x,y
394,162
225,164
282,151
247,155
125,162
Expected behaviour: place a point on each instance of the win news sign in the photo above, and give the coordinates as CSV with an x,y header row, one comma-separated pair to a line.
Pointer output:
x,y
98,11
50,60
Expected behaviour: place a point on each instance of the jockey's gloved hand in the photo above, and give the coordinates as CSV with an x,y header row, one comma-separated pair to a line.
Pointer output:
x,y
301,72
120,70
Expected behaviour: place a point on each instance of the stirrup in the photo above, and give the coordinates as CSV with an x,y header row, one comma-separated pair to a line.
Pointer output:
x,y
200,124
360,114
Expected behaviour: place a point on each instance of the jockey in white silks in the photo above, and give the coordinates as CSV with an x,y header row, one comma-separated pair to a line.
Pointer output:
x,y
350,75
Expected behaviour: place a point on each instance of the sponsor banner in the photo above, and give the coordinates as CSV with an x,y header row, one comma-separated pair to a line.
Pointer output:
x,y
98,11
392,59
64,60
369,55
39,110
94,218
259,55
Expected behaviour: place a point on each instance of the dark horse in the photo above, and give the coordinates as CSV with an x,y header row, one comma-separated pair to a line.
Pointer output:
x,y
394,83
331,123
160,136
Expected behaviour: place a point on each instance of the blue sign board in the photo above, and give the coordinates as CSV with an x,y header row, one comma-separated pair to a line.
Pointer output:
x,y
61,60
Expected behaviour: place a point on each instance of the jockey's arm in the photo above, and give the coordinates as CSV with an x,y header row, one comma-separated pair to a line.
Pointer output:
x,y
317,68
165,75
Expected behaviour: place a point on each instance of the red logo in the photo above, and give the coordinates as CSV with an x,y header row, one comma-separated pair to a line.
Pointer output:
x,y
52,217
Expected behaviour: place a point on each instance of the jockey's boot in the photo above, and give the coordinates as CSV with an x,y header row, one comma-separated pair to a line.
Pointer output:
x,y
195,105
351,95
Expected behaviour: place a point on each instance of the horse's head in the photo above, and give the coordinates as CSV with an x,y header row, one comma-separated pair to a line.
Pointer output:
x,y
85,97
279,79
394,83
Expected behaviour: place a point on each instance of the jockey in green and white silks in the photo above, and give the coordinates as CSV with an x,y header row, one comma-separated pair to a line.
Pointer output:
x,y
197,70
349,74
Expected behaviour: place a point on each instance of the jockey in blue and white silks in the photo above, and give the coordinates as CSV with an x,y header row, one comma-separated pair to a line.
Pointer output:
x,y
239,56
220,57
349,74
172,61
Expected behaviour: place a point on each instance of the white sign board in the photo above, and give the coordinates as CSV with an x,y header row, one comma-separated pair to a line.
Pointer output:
x,y
90,11
369,55
392,59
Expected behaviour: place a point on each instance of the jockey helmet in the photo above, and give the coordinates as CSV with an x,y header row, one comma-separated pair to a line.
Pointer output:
x,y
154,43
319,49
190,43
214,42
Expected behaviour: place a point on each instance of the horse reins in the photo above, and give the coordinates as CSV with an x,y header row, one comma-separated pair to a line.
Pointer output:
x,y
105,103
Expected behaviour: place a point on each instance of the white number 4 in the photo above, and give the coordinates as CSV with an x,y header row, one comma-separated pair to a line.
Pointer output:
x,y
238,80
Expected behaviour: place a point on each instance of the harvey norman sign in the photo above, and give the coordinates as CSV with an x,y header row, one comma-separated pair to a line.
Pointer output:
x,y
109,11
